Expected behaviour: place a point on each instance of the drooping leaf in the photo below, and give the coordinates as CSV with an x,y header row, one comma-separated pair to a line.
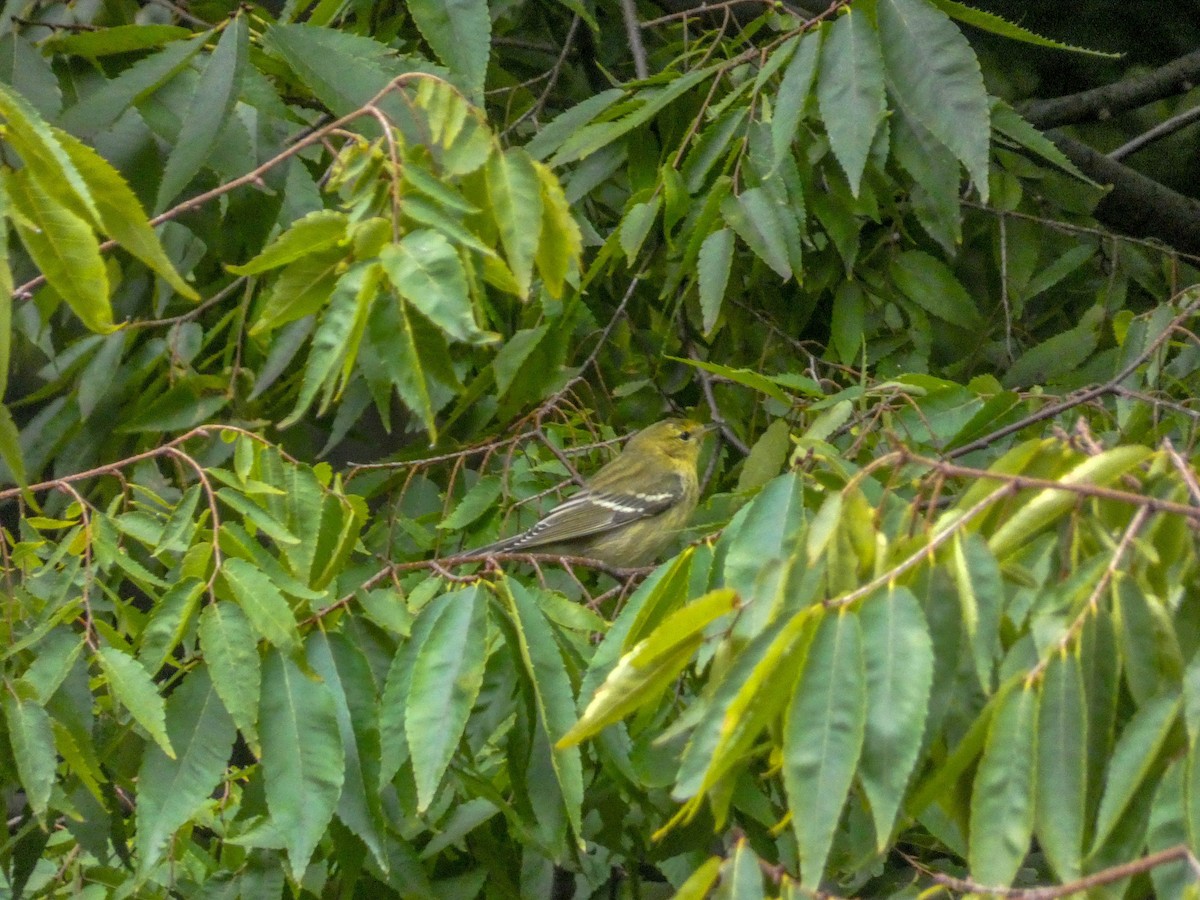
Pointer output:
x,y
121,215
936,78
899,664
823,737
63,246
427,272
850,90
459,31
132,686
262,602
1002,802
211,104
1062,765
32,743
171,791
446,677
515,202
303,760
230,647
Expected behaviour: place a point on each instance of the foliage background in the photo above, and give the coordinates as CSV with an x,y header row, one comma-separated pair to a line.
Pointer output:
x,y
301,299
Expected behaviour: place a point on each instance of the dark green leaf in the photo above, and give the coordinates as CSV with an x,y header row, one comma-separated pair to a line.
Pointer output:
x,y
171,791
823,737
303,760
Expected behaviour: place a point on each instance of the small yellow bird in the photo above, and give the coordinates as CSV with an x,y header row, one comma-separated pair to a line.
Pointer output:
x,y
631,509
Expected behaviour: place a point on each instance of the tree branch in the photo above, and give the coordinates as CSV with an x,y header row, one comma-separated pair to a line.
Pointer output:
x,y
633,31
1176,77
1137,205
1159,131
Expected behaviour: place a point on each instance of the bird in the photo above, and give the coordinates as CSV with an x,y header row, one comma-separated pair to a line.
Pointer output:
x,y
630,509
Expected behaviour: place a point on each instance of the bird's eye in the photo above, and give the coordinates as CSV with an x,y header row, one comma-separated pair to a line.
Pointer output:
x,y
685,435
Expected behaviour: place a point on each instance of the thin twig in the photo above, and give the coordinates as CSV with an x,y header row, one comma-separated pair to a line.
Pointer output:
x,y
633,33
1106,577
1179,853
1161,130
1084,396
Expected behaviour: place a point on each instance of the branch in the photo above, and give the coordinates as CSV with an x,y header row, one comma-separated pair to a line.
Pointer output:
x,y
1175,77
633,32
1161,130
1180,853
1137,205
1112,386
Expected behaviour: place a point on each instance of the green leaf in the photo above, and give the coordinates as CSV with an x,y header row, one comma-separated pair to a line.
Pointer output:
x,y
6,311
649,102
347,674
793,93
981,594
459,31
10,446
747,698
1062,765
560,245
987,21
230,647
515,203
169,622
767,457
1002,807
1134,757
511,357
104,105
45,161
478,500
427,272
300,290
263,603
546,680
847,328
398,683
716,258
64,248
850,91
121,215
936,78
929,284
319,230
1013,126
114,39
823,732
303,761
899,663
1059,355
642,674
132,686
172,790
935,196
337,338
32,743
209,107
446,677
762,222
636,224
1049,504
343,70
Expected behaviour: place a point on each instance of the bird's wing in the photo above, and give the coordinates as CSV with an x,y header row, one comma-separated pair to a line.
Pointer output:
x,y
594,511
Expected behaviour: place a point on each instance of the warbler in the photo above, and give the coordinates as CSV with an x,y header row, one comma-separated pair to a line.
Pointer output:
x,y
631,509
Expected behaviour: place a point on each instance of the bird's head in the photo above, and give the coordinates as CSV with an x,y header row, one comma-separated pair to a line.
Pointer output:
x,y
676,438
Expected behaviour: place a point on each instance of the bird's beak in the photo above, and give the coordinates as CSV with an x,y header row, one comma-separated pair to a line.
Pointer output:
x,y
710,428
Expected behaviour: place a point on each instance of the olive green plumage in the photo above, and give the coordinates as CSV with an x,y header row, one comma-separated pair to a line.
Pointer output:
x,y
631,509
